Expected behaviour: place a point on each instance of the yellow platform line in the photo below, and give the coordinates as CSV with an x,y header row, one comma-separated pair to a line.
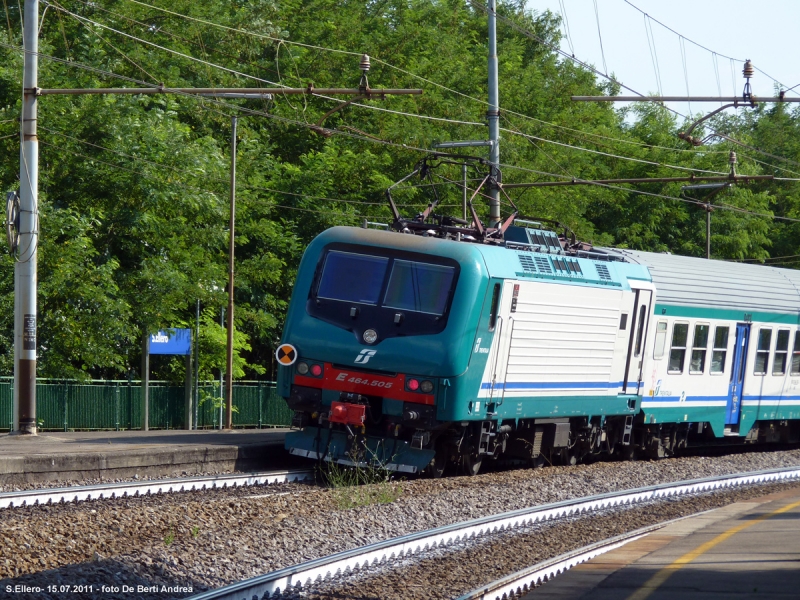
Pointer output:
x,y
659,578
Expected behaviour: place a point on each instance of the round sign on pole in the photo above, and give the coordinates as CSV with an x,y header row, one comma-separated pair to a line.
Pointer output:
x,y
286,354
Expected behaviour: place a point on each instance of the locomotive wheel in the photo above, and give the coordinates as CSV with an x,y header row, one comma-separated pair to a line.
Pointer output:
x,y
538,462
471,464
568,458
439,463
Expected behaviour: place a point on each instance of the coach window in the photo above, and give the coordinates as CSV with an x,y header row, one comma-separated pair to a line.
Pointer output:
x,y
781,352
796,354
762,353
699,348
677,351
661,340
720,349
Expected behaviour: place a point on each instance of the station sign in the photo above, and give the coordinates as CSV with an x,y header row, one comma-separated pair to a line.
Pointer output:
x,y
172,341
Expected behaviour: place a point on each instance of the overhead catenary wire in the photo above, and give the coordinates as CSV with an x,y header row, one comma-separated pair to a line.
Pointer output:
x,y
399,112
405,146
651,44
558,50
378,60
369,107
667,27
732,140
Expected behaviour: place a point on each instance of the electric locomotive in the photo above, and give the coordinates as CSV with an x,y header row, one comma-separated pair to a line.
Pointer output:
x,y
417,352
443,344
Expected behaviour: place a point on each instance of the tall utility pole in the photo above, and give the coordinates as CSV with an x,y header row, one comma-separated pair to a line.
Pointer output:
x,y
229,372
493,114
25,267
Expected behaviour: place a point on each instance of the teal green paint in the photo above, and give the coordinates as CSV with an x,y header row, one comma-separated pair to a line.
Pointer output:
x,y
699,312
543,406
393,407
714,415
464,388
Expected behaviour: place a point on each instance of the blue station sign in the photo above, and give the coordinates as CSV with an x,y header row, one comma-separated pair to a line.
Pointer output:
x,y
173,341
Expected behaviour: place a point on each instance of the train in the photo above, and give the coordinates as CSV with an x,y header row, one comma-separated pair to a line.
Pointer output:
x,y
422,350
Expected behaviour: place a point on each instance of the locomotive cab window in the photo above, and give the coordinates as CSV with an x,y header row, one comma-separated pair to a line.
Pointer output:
x,y
781,352
697,364
419,287
796,354
720,351
352,277
762,353
495,306
677,351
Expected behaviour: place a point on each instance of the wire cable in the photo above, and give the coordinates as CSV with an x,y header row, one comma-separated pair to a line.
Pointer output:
x,y
600,36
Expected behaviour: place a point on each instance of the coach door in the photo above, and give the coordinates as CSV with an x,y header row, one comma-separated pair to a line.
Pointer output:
x,y
639,322
737,375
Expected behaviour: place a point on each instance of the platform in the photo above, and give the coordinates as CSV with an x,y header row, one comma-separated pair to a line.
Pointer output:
x,y
69,457
748,550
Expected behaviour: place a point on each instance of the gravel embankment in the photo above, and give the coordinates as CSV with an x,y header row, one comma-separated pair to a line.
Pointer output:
x,y
207,539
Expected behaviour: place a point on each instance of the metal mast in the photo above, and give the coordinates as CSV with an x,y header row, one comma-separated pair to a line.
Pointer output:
x,y
231,247
493,115
25,267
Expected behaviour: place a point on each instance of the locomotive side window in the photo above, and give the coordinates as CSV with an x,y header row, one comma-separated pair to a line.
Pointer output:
x,y
661,340
796,354
781,352
495,306
720,349
352,277
699,348
419,287
762,354
677,352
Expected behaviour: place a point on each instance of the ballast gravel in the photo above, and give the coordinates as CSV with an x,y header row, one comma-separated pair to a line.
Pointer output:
x,y
176,545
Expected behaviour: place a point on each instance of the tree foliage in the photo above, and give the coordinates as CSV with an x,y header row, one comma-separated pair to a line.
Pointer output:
x,y
134,190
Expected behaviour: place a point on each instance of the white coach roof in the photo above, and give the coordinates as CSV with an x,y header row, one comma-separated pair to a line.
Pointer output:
x,y
690,281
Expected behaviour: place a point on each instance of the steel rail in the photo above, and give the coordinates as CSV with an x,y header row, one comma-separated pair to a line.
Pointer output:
x,y
525,580
343,563
80,493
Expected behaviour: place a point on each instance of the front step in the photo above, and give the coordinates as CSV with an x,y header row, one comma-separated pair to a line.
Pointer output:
x,y
731,431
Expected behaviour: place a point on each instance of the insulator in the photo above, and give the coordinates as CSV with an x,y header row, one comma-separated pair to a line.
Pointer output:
x,y
364,64
748,70
732,158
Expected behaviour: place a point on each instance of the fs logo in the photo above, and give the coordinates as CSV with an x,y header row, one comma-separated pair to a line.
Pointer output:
x,y
364,356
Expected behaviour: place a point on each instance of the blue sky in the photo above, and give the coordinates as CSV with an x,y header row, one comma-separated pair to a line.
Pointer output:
x,y
764,32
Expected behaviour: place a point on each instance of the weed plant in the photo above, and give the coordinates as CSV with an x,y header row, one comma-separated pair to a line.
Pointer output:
x,y
368,483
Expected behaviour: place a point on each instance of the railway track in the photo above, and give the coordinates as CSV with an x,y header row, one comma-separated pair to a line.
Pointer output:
x,y
523,581
344,563
80,493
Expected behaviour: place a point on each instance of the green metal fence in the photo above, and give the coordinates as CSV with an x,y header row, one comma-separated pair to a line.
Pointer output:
x,y
70,405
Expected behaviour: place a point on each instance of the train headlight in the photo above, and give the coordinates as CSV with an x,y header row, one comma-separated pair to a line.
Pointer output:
x,y
302,368
412,384
426,386
316,370
370,336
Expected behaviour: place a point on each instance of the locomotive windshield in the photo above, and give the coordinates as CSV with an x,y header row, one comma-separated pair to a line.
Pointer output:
x,y
419,287
412,285
352,277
